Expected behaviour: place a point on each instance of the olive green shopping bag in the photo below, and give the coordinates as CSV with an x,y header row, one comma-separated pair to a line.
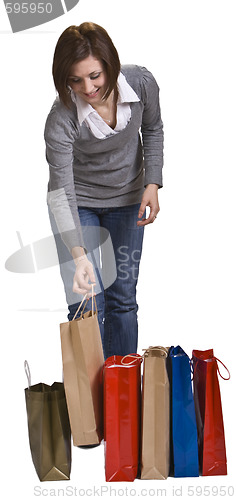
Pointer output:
x,y
49,429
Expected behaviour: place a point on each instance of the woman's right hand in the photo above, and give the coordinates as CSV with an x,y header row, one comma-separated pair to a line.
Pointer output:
x,y
83,274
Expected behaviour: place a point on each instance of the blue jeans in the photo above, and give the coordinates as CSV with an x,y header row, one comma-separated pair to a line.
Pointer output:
x,y
116,303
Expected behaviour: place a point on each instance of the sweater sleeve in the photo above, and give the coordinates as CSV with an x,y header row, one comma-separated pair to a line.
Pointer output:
x,y
60,133
152,130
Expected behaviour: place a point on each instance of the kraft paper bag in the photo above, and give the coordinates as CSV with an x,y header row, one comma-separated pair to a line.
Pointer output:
x,y
49,429
83,359
155,427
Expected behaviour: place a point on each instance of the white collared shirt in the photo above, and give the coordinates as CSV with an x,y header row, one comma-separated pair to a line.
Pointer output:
x,y
100,129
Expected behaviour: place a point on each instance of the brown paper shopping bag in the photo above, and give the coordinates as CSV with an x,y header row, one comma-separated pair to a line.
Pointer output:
x,y
83,359
155,415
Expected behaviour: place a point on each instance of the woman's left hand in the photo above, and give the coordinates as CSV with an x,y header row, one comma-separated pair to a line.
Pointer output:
x,y
150,199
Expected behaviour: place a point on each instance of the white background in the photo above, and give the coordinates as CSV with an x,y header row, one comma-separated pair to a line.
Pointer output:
x,y
186,290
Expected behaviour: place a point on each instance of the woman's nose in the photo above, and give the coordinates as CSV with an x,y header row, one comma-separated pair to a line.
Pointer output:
x,y
87,86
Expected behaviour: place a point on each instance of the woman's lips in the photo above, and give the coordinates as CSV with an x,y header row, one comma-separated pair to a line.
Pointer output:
x,y
92,94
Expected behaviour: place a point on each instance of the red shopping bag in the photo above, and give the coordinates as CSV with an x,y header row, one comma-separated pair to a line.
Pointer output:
x,y
208,407
122,408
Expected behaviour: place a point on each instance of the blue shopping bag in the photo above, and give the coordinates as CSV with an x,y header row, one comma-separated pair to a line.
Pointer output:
x,y
184,443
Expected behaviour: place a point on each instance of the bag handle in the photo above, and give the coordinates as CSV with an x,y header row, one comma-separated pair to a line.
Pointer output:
x,y
81,303
218,370
219,361
93,302
134,356
28,374
155,348
138,356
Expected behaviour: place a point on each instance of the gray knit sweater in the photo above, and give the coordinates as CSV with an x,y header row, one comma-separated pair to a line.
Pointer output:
x,y
111,172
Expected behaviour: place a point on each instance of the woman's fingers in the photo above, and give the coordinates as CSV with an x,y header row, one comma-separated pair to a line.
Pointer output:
x,y
150,199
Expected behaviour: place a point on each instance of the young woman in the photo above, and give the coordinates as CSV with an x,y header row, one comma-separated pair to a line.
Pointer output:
x,y
104,147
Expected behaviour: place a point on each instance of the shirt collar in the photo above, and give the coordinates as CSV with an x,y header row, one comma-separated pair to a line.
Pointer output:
x,y
125,91
125,95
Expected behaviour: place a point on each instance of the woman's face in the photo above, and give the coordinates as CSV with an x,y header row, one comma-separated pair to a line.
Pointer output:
x,y
88,80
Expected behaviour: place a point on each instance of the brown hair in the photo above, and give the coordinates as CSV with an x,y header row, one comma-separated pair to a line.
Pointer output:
x,y
77,43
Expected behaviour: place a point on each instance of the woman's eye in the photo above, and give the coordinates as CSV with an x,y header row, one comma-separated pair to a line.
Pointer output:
x,y
95,76
78,80
73,80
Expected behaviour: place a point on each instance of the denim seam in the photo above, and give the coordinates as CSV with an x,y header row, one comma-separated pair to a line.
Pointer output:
x,y
107,328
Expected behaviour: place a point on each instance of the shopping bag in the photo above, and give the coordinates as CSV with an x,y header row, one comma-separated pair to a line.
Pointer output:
x,y
49,429
210,424
155,422
122,407
183,418
83,359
